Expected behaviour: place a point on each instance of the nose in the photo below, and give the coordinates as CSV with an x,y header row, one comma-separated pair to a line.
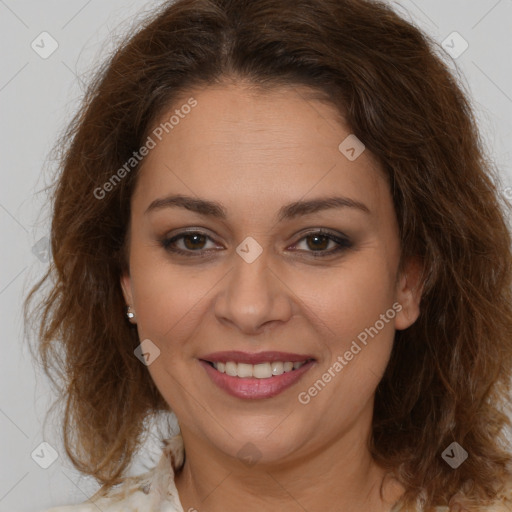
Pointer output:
x,y
253,296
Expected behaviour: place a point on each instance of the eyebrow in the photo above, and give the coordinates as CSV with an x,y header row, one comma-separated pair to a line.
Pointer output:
x,y
287,212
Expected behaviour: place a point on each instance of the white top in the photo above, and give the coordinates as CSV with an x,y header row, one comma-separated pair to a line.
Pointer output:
x,y
149,492
155,490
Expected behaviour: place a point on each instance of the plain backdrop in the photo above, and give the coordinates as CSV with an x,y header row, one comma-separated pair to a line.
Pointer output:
x,y
38,95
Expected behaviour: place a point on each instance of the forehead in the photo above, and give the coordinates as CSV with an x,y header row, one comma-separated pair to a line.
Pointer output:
x,y
256,148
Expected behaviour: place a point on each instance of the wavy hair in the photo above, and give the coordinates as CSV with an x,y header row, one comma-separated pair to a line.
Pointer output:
x,y
449,375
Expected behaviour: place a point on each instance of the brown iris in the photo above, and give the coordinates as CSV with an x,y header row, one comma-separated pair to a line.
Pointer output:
x,y
196,239
316,245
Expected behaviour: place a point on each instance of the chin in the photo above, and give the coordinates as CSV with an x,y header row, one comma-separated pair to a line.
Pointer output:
x,y
260,440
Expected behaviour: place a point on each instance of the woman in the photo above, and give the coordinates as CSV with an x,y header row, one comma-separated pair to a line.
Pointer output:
x,y
274,219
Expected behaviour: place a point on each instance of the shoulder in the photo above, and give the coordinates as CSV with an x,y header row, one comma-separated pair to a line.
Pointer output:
x,y
153,490
502,503
132,494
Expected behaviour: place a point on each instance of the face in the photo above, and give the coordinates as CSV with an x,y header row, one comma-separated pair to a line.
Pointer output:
x,y
253,270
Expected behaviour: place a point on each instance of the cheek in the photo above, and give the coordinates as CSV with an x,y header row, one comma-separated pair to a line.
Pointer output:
x,y
168,302
357,308
350,297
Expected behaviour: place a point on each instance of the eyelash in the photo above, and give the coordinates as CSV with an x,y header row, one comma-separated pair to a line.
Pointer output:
x,y
343,244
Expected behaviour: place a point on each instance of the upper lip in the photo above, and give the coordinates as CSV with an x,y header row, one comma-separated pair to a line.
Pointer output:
x,y
255,357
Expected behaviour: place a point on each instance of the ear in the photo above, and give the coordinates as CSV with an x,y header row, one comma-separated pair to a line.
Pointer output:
x,y
408,293
126,286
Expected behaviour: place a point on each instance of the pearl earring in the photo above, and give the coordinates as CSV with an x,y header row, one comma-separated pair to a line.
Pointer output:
x,y
130,314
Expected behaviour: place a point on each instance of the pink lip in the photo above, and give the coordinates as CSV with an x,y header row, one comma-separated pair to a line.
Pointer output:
x,y
255,358
252,388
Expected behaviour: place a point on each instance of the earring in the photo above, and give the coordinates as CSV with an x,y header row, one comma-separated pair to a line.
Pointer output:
x,y
130,314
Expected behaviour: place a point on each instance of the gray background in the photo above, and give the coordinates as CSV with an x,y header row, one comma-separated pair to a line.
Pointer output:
x,y
37,98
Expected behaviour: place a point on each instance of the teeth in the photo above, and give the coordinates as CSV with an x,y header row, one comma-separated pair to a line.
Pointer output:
x,y
231,369
261,371
277,368
244,370
258,371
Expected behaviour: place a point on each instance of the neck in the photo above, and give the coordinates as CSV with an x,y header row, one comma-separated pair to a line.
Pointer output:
x,y
339,476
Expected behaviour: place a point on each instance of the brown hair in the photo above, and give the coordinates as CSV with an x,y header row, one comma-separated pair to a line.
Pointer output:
x,y
449,374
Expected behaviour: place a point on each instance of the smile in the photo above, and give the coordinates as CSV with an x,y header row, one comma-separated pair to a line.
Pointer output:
x,y
255,376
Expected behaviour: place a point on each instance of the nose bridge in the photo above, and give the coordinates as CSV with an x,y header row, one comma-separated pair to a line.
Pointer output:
x,y
252,294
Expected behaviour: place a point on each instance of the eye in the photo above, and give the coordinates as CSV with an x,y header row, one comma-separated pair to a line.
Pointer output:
x,y
317,243
187,243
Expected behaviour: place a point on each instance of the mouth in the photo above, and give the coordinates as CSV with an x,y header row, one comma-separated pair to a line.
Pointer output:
x,y
256,376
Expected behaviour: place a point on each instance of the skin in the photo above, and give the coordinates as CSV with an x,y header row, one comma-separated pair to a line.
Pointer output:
x,y
254,153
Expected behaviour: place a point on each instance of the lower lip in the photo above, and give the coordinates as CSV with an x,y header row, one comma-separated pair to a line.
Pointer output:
x,y
252,388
